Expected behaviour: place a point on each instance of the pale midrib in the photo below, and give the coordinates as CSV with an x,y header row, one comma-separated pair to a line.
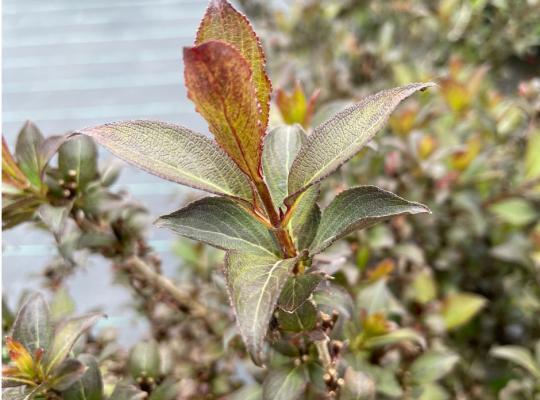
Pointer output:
x,y
284,383
257,308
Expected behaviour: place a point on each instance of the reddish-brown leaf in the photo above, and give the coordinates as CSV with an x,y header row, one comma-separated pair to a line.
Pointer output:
x,y
219,82
223,22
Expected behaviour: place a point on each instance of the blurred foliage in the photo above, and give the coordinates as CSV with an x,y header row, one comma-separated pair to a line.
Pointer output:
x,y
467,277
440,307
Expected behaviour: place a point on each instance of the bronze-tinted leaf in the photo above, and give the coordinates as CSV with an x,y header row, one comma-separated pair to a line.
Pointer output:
x,y
219,82
223,22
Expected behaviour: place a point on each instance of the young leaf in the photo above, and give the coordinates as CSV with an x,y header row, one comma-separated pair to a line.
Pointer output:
x,y
32,326
223,22
342,136
306,217
359,208
67,373
78,156
519,356
281,146
27,152
219,82
90,385
297,290
432,366
284,384
254,283
295,108
174,153
65,336
222,223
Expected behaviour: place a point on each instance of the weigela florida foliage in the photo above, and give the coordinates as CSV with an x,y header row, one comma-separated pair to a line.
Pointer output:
x,y
265,215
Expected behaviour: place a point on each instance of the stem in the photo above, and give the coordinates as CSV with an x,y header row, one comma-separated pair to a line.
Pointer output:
x,y
184,300
324,353
281,233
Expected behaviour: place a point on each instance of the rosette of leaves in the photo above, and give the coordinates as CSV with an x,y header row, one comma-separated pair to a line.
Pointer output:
x,y
265,214
23,174
40,352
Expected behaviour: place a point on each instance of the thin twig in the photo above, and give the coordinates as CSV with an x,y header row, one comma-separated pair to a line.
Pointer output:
x,y
184,300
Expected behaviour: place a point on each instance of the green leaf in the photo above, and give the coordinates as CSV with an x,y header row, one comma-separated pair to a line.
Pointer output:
x,y
306,218
515,211
32,326
27,151
432,365
167,390
174,153
297,290
460,308
359,208
219,82
144,360
281,146
532,155
65,336
519,356
90,385
223,22
284,384
423,288
66,374
342,136
77,159
222,223
123,391
248,392
399,335
303,319
254,283
431,391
